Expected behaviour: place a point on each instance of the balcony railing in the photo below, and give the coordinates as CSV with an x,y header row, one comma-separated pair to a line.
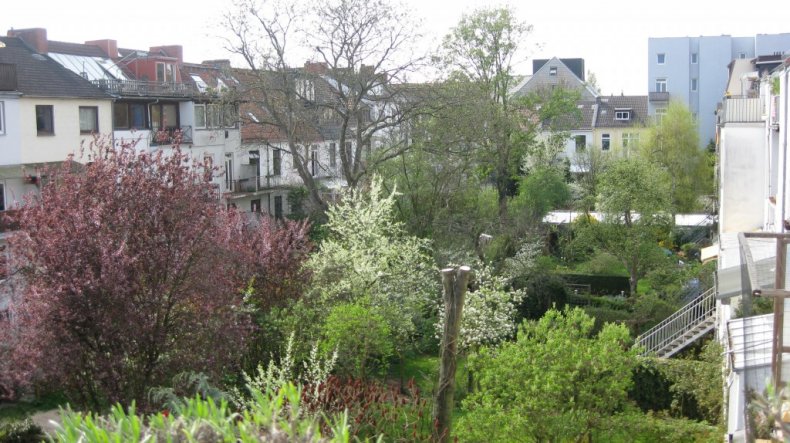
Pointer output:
x,y
141,88
170,136
658,96
262,183
743,109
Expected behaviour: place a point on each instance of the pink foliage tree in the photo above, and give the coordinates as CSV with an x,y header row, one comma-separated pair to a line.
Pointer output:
x,y
133,272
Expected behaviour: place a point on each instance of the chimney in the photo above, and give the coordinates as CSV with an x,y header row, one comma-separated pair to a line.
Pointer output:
x,y
175,51
317,68
35,37
217,64
110,47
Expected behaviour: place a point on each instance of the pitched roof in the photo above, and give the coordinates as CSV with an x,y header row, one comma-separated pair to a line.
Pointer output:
x,y
550,74
40,76
608,106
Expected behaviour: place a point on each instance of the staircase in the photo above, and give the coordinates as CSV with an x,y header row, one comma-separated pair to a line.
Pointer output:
x,y
682,328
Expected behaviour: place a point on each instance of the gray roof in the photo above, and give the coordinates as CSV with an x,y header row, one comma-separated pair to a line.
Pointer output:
x,y
550,74
40,76
607,106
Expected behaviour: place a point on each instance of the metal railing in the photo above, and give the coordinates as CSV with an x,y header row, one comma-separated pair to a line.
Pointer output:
x,y
262,183
660,336
170,136
142,88
742,109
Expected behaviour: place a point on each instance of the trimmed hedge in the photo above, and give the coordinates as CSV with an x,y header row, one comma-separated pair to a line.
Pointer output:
x,y
600,284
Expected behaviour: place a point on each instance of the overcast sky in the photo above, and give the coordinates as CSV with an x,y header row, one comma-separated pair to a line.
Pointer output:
x,y
610,35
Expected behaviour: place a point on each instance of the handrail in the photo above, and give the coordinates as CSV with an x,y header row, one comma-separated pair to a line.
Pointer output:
x,y
677,324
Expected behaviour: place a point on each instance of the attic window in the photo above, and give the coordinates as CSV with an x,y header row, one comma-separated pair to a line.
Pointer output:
x,y
622,115
253,117
553,70
201,85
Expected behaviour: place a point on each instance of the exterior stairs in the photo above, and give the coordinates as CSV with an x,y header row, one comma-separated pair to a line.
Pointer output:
x,y
682,328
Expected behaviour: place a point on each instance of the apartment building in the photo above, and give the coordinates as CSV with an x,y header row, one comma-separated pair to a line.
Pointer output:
x,y
694,70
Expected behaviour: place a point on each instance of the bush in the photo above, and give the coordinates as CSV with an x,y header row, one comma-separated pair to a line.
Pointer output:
x,y
265,419
543,291
23,431
361,337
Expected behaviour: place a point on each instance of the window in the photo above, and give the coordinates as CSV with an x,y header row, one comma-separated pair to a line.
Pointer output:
x,y
661,58
661,85
333,154
660,113
305,89
165,72
129,116
741,55
605,142
89,119
221,116
2,121
45,124
630,140
693,58
164,116
208,159
693,84
255,205
200,116
622,115
277,162
553,70
581,142
278,207
229,171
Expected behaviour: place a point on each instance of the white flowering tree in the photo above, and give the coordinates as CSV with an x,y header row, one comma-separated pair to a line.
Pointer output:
x,y
368,258
489,311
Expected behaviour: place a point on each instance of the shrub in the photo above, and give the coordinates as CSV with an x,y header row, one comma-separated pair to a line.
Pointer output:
x,y
22,431
361,337
271,417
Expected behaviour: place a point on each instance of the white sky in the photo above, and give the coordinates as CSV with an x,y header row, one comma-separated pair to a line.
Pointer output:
x,y
611,35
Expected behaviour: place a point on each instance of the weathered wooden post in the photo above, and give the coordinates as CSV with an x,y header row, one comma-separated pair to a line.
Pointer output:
x,y
454,282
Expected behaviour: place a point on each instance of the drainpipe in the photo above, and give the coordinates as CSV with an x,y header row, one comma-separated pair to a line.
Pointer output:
x,y
784,146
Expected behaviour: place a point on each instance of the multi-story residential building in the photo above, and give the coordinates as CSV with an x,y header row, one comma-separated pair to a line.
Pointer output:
x,y
694,71
158,100
753,218
615,124
46,113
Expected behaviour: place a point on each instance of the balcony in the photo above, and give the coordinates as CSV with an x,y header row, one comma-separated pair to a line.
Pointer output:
x,y
264,183
658,96
742,109
170,136
140,88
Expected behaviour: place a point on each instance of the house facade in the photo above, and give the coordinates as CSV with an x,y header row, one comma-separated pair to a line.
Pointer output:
x,y
753,212
553,73
46,114
157,100
694,70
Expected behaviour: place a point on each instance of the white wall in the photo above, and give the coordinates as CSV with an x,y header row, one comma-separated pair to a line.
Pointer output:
x,y
743,163
11,139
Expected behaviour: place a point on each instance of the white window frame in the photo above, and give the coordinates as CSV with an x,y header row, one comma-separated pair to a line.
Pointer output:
x,y
660,113
623,115
553,71
661,58
205,116
606,142
94,121
662,84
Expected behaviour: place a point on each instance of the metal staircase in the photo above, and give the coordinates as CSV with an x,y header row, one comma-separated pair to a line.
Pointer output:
x,y
682,328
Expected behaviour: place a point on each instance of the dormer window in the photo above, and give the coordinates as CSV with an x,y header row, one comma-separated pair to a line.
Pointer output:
x,y
622,114
553,70
165,72
305,89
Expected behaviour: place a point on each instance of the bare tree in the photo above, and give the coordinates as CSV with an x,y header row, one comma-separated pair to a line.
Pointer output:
x,y
354,93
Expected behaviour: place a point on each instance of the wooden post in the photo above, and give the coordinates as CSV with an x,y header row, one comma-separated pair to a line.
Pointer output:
x,y
454,282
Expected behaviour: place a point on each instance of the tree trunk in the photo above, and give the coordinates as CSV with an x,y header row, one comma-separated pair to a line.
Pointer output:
x,y
454,282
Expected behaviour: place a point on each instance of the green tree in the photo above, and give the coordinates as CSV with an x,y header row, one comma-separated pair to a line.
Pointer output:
x,y
360,336
673,143
557,382
479,52
634,199
369,257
